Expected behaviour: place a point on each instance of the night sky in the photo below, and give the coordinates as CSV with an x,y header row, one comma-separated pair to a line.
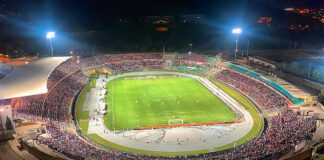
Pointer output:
x,y
93,24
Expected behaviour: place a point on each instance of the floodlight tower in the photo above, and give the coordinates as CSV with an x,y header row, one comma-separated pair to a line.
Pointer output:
x,y
237,32
50,36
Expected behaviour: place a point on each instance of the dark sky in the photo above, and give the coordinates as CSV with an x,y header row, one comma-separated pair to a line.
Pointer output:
x,y
24,21
88,14
78,15
36,17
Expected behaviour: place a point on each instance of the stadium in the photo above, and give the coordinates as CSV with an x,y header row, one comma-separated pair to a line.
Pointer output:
x,y
153,106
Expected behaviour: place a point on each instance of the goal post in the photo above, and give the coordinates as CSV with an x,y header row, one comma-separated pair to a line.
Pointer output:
x,y
175,121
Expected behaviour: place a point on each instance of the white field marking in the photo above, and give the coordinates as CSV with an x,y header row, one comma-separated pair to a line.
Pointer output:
x,y
137,122
157,97
173,115
112,104
206,116
222,108
147,98
194,77
168,113
201,112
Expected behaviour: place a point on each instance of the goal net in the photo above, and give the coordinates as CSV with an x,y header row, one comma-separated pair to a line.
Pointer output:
x,y
175,121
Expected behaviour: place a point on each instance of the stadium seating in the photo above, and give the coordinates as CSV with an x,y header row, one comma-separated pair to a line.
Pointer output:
x,y
259,92
283,131
193,62
295,100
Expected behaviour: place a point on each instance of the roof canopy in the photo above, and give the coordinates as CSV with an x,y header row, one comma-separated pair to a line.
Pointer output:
x,y
30,79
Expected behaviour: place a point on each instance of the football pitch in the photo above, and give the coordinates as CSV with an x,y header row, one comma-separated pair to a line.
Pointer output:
x,y
134,103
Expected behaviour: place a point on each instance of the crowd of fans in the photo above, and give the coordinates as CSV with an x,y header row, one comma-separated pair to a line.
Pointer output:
x,y
193,62
53,106
116,62
67,79
57,103
192,57
29,108
74,147
55,77
261,93
132,61
281,134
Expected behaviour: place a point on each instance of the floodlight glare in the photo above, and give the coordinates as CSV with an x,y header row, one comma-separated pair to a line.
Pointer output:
x,y
237,31
50,35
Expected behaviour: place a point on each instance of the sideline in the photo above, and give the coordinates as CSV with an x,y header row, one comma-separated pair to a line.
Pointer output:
x,y
239,129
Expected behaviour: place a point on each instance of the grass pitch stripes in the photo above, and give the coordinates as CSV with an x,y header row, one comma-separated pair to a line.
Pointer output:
x,y
127,99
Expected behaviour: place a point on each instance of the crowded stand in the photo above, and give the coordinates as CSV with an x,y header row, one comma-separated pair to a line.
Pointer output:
x,y
126,66
89,62
58,101
153,64
70,66
197,58
282,133
74,147
29,107
55,77
193,62
53,106
261,93
66,79
132,61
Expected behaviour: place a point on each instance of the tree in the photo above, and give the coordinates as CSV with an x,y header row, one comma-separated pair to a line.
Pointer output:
x,y
8,124
321,97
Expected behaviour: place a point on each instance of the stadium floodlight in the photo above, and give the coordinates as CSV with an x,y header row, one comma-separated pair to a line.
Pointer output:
x,y
236,31
50,36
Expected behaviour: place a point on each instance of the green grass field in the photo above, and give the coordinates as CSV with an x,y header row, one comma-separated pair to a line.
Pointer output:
x,y
153,102
256,130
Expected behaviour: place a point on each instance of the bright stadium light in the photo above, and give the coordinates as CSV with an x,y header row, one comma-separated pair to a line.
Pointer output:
x,y
50,36
236,31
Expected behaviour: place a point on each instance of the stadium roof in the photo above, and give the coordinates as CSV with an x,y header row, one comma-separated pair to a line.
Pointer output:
x,y
30,79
